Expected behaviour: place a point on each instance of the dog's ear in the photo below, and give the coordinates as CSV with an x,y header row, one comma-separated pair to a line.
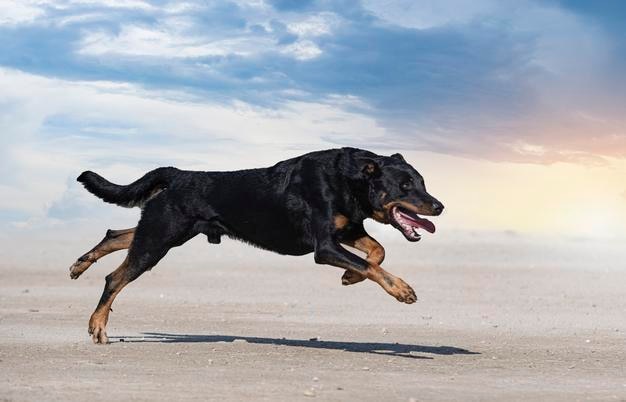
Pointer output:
x,y
361,165
398,157
368,167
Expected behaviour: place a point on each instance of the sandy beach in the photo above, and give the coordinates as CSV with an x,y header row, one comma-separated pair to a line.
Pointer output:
x,y
236,323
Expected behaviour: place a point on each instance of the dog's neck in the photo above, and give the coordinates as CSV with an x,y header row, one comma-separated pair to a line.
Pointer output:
x,y
356,201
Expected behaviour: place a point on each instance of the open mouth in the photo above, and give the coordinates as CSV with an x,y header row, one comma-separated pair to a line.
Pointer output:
x,y
409,223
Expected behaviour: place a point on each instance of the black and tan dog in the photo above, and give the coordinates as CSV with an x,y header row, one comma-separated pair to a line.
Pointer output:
x,y
309,204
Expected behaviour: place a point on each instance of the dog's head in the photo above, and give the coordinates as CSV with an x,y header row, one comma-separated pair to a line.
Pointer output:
x,y
397,195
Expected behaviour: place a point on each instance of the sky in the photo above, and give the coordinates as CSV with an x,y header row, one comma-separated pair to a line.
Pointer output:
x,y
514,111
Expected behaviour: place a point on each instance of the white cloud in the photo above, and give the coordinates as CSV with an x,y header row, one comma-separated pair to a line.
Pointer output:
x,y
524,148
18,12
170,40
122,4
306,29
140,41
143,130
116,3
14,12
302,50
317,25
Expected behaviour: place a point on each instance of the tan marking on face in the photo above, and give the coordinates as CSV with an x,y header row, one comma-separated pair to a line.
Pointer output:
x,y
380,216
410,207
341,221
383,216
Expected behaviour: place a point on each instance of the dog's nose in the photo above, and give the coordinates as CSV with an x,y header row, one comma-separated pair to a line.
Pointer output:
x,y
437,207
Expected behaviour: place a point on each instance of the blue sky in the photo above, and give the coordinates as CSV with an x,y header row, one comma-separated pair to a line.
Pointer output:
x,y
126,85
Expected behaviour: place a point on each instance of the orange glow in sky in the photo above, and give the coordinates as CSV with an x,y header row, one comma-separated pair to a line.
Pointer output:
x,y
556,199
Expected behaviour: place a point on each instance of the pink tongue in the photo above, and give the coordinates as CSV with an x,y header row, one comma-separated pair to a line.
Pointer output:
x,y
426,225
421,223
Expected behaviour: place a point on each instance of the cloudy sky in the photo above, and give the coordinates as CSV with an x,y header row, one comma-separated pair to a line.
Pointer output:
x,y
514,111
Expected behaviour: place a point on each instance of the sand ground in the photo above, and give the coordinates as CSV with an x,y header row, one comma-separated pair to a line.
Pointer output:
x,y
234,323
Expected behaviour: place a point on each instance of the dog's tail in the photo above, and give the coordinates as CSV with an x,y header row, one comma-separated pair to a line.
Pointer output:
x,y
135,194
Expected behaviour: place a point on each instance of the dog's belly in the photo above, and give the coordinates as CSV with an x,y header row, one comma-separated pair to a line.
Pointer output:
x,y
280,236
290,249
285,248
286,242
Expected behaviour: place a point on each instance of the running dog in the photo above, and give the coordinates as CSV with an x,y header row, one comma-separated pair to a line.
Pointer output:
x,y
314,203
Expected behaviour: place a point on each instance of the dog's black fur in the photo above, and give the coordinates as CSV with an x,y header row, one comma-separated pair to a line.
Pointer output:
x,y
311,203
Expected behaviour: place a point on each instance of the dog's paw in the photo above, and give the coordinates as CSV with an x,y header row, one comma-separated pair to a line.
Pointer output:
x,y
97,330
351,277
80,266
403,292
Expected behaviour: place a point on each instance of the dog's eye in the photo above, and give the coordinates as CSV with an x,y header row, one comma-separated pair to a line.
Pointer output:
x,y
406,185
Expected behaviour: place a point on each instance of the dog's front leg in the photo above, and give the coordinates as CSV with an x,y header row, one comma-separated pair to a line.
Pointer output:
x,y
375,255
328,251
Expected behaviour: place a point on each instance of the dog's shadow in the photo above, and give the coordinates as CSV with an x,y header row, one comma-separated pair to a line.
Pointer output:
x,y
391,349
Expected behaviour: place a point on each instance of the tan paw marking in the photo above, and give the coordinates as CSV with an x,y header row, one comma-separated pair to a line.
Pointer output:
x,y
402,291
351,277
80,266
97,330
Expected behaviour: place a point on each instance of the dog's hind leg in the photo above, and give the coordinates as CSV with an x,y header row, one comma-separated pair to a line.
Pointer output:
x,y
114,240
375,255
159,230
115,281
